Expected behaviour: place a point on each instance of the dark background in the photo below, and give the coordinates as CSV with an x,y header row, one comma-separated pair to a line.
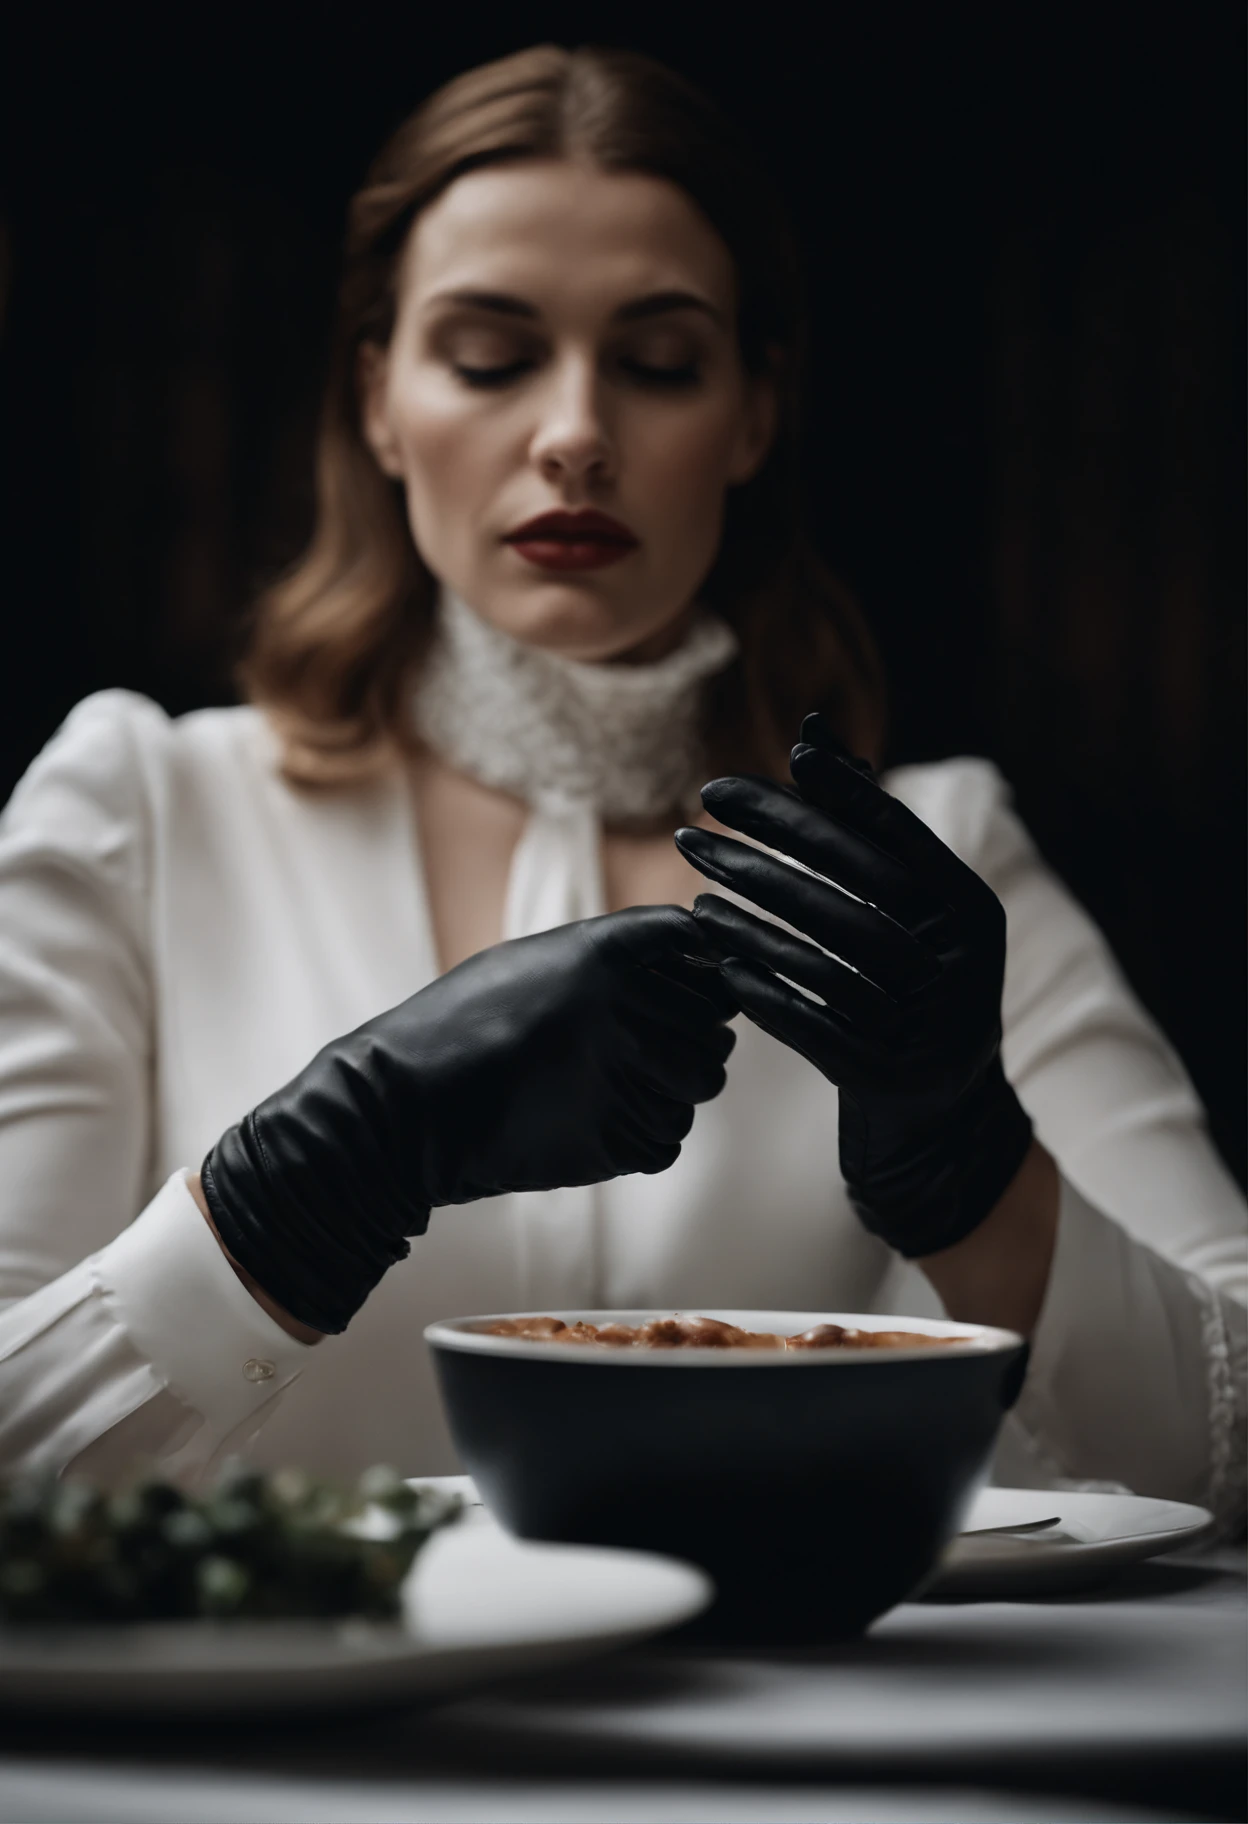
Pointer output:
x,y
1023,236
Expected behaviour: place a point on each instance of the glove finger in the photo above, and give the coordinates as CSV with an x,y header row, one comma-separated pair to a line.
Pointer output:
x,y
868,940
653,995
671,1063
659,951
838,788
699,976
651,935
817,731
785,821
665,1119
664,1157
814,1032
646,1127
735,932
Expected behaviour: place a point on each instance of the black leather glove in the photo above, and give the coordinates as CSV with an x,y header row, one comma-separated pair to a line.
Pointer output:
x,y
930,1131
565,1058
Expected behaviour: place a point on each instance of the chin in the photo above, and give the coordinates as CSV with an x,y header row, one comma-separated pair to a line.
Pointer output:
x,y
573,621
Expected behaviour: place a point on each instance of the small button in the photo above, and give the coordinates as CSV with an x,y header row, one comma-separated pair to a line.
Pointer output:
x,y
258,1371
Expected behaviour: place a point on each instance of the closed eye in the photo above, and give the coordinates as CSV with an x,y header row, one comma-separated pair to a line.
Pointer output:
x,y
492,376
687,374
643,373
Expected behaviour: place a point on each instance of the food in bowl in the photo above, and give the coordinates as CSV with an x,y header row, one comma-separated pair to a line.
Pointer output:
x,y
817,1486
685,1332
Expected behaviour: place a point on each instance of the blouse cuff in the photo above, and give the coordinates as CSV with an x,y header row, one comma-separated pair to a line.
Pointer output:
x,y
1122,1352
187,1313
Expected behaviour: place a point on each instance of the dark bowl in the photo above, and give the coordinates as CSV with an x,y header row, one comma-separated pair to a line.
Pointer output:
x,y
817,1488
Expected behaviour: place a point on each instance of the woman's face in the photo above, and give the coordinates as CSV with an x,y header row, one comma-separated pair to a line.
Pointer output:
x,y
566,343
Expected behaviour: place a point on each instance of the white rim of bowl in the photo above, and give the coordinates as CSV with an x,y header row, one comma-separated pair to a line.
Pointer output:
x,y
466,1335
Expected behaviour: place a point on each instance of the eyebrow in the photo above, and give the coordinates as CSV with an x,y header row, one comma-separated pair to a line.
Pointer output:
x,y
655,304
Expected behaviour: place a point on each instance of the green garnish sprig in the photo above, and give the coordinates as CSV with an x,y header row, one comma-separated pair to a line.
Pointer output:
x,y
258,1546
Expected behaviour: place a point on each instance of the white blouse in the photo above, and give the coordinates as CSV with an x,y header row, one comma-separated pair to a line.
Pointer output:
x,y
180,931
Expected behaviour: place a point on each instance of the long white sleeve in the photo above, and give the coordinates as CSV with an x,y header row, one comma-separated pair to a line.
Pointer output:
x,y
1139,1358
1137,1372
149,1350
120,1339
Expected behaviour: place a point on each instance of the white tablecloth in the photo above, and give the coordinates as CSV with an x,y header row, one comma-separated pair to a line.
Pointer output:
x,y
1130,1703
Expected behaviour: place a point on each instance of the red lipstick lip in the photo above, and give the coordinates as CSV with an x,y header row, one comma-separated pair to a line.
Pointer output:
x,y
588,527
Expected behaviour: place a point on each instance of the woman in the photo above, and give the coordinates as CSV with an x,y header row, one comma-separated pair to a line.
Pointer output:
x,y
557,576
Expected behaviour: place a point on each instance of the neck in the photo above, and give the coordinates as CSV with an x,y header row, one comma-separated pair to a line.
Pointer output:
x,y
667,640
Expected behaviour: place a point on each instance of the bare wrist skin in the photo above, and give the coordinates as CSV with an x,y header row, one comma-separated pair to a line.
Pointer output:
x,y
999,1274
289,1324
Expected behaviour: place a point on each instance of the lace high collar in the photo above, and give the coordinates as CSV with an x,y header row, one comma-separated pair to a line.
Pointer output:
x,y
624,739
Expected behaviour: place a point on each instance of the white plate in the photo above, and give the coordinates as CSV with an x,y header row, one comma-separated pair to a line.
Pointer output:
x,y
1095,1536
478,1606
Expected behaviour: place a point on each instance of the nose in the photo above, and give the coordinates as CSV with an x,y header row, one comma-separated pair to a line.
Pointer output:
x,y
572,445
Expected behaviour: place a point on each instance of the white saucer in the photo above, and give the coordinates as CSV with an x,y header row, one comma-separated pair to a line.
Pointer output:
x,y
478,1606
1095,1536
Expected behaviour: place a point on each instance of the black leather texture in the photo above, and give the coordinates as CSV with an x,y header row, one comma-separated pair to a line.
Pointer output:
x,y
908,968
566,1058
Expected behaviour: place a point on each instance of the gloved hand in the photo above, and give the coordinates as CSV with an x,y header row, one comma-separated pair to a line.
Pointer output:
x,y
930,1131
565,1058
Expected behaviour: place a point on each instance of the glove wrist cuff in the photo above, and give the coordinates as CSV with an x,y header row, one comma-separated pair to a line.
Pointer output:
x,y
944,1189
307,1252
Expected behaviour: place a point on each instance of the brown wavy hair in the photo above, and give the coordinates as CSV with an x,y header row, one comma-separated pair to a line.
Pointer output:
x,y
334,644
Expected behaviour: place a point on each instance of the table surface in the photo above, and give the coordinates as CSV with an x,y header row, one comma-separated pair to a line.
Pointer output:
x,y
1125,1703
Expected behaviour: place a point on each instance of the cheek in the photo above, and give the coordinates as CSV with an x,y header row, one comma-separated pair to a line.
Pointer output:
x,y
681,469
451,454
